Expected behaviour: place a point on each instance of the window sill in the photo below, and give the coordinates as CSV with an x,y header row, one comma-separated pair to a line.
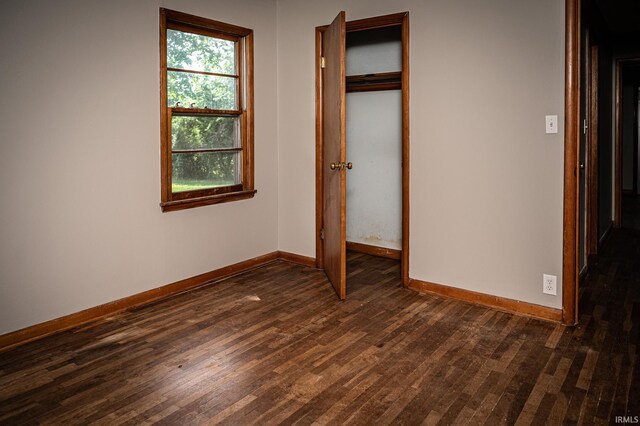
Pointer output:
x,y
170,206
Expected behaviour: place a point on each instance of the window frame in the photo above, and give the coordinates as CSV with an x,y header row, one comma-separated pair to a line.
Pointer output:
x,y
170,201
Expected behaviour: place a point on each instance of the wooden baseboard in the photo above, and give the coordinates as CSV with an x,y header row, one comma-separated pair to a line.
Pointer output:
x,y
66,322
374,251
297,258
495,302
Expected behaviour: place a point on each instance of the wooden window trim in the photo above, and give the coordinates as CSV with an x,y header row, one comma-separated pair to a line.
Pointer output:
x,y
203,72
170,19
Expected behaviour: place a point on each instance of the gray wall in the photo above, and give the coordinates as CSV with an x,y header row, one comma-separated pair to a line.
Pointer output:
x,y
374,51
81,225
374,185
80,222
486,181
374,143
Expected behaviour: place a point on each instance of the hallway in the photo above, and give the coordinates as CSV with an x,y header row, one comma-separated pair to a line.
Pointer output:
x,y
607,339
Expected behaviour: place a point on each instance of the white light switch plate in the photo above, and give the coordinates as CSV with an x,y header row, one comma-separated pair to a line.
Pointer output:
x,y
551,123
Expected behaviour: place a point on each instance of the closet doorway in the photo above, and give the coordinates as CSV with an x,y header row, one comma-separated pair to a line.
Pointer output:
x,y
362,142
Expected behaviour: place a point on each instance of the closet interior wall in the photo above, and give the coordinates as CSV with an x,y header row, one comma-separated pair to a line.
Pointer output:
x,y
374,137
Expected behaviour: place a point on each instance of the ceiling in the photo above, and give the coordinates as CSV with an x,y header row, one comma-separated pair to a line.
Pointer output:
x,y
621,16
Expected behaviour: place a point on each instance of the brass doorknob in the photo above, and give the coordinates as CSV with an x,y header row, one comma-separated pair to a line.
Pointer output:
x,y
341,166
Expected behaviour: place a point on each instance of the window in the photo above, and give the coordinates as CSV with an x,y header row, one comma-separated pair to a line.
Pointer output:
x,y
206,115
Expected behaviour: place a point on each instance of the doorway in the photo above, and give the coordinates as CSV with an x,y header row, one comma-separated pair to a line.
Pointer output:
x,y
596,32
588,152
627,182
362,142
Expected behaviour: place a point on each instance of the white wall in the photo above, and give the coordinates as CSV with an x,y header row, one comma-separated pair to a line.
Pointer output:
x,y
486,181
374,185
80,223
384,54
374,143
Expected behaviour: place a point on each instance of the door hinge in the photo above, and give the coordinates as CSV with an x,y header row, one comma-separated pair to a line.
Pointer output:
x,y
322,62
584,126
322,234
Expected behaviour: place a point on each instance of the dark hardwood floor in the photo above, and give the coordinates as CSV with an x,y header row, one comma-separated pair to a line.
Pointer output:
x,y
274,345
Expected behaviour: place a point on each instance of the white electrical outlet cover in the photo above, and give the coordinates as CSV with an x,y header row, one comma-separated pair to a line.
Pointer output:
x,y
549,284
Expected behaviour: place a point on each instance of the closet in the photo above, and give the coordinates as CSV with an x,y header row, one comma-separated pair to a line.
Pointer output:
x,y
374,141
362,142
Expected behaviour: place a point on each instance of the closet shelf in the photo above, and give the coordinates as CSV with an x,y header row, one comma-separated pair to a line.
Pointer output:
x,y
374,82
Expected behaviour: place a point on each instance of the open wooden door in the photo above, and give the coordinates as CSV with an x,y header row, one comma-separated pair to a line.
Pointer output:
x,y
585,81
334,154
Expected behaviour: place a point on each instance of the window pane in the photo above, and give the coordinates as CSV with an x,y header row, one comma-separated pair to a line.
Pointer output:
x,y
203,170
208,91
200,53
201,132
